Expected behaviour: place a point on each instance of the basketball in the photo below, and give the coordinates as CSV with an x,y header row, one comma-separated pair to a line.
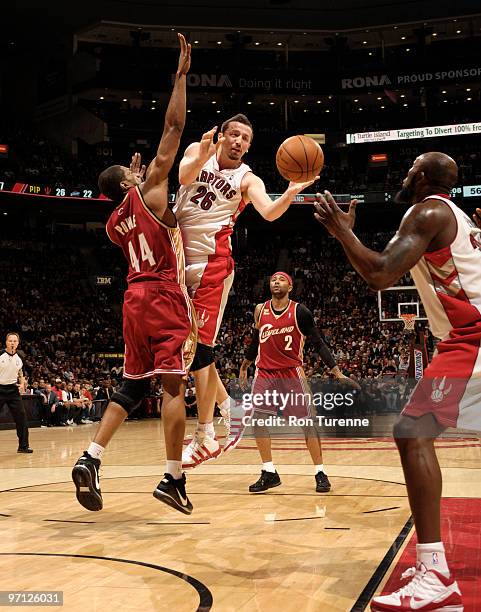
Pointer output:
x,y
299,159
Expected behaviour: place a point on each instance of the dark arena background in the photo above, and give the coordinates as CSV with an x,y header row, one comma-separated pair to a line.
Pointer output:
x,y
84,85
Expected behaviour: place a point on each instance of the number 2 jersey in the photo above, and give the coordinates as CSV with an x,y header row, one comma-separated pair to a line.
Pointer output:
x,y
153,250
281,342
208,208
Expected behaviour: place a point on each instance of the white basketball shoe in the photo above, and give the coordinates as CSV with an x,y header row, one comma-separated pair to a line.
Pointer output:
x,y
238,421
427,590
201,448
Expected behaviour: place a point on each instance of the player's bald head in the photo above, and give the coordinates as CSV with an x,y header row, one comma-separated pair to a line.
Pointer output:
x,y
431,173
439,169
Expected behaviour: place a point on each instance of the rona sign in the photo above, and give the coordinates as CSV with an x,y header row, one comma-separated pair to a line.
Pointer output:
x,y
412,78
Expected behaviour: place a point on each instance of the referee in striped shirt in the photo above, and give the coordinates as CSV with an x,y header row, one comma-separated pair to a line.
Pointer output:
x,y
11,378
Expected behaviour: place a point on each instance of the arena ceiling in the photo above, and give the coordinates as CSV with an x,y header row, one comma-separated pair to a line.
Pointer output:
x,y
303,15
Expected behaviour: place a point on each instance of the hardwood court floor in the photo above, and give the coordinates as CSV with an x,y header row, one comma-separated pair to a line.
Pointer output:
x,y
290,549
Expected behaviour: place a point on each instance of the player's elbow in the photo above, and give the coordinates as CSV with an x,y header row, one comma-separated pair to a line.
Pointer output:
x,y
378,281
268,215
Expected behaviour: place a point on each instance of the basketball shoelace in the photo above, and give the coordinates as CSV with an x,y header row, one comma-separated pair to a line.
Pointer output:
x,y
421,584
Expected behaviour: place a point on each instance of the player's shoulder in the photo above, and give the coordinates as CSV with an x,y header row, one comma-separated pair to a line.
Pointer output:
x,y
430,214
192,148
250,177
301,308
258,308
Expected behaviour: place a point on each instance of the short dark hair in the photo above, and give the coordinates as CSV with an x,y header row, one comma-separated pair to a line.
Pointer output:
x,y
240,118
12,334
109,183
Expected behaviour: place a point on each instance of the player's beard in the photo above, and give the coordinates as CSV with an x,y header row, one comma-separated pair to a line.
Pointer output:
x,y
404,196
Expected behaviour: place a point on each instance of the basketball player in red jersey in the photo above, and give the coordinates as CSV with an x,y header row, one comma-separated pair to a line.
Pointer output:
x,y
215,187
157,320
441,247
282,326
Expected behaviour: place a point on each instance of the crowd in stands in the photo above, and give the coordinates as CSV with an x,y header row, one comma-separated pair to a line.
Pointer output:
x,y
33,158
71,329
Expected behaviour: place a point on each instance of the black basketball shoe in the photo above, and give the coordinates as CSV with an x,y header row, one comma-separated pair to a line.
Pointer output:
x,y
268,480
322,483
24,449
85,475
171,491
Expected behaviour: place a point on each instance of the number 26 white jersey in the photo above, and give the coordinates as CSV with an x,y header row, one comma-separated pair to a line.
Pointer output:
x,y
208,208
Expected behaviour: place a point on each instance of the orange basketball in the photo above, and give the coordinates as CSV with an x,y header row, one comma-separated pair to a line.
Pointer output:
x,y
299,159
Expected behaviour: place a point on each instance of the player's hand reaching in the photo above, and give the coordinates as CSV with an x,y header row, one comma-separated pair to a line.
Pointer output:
x,y
207,148
351,382
243,378
329,214
136,166
296,188
477,217
184,57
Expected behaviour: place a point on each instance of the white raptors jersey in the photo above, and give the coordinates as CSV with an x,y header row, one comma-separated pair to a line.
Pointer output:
x,y
449,280
208,208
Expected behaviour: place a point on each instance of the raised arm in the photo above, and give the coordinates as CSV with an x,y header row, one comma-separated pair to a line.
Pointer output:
x,y
154,189
196,155
419,227
254,191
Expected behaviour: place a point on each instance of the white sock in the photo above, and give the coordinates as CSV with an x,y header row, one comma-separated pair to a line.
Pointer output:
x,y
207,428
174,468
225,405
433,557
319,468
268,466
95,450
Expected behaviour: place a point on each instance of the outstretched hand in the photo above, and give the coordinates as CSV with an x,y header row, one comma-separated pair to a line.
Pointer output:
x,y
298,187
184,57
136,166
329,214
477,217
207,148
243,378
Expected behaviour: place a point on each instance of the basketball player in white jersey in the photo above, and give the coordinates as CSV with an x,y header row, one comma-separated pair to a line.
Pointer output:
x,y
441,247
216,186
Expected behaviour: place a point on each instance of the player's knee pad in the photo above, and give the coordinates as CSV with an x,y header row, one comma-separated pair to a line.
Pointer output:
x,y
131,393
204,356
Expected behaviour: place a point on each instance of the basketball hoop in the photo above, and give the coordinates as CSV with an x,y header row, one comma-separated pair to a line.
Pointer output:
x,y
409,320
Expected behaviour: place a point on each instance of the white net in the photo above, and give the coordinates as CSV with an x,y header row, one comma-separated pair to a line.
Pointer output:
x,y
409,321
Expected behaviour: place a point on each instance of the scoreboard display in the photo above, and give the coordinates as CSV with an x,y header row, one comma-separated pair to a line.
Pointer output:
x,y
45,190
92,193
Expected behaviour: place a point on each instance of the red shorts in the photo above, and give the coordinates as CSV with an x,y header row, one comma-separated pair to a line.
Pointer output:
x,y
209,282
451,386
159,330
282,393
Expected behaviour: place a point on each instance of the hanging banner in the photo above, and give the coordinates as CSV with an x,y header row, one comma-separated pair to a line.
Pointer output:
x,y
459,129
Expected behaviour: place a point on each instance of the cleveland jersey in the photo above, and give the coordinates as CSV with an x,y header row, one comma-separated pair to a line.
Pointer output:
x,y
449,279
281,343
208,208
154,251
